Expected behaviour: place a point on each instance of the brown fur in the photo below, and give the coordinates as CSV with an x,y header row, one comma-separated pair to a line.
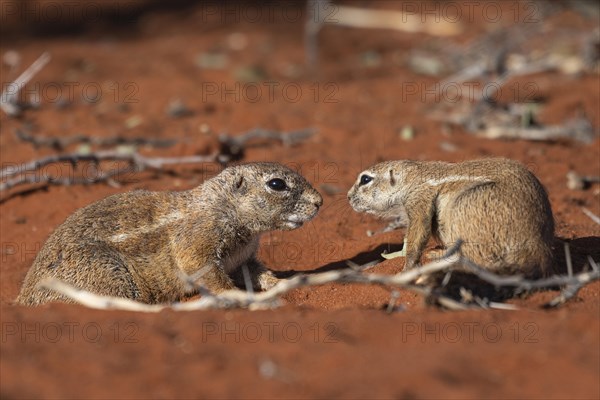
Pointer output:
x,y
496,206
137,244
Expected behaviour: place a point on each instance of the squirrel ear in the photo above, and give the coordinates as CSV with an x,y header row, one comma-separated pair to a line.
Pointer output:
x,y
239,183
235,178
392,179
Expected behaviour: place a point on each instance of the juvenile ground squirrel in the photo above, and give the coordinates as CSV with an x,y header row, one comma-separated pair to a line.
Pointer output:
x,y
137,244
496,206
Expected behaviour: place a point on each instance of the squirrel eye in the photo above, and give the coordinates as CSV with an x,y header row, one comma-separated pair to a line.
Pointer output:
x,y
365,179
277,184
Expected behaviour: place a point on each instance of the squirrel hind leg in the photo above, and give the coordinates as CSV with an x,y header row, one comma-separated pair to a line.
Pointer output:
x,y
95,267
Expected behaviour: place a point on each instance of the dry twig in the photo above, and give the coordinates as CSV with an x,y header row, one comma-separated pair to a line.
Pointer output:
x,y
391,226
8,99
356,17
405,280
578,129
266,299
572,283
60,143
590,214
231,149
578,182
28,173
321,12
495,60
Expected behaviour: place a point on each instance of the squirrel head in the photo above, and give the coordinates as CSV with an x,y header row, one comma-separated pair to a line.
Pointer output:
x,y
268,196
380,190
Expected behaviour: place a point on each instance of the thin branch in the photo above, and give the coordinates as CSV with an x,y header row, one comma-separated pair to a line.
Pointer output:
x,y
137,160
8,100
315,11
568,259
391,19
392,303
247,280
406,280
46,180
572,283
243,299
391,226
578,182
231,149
580,130
60,143
361,267
494,61
233,143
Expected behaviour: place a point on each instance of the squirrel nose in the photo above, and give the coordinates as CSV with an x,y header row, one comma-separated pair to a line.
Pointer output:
x,y
350,193
318,201
315,198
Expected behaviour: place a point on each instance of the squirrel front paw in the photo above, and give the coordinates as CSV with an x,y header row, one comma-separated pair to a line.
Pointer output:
x,y
267,280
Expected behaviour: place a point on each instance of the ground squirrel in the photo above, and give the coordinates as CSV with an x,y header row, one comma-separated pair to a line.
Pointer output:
x,y
496,206
136,245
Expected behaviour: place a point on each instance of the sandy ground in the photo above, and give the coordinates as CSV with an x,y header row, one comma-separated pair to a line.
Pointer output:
x,y
334,341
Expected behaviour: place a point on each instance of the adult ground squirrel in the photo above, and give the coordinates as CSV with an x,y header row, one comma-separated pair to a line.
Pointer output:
x,y
496,206
136,245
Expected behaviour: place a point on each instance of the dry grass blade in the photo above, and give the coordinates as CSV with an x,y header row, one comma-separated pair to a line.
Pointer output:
x,y
590,214
8,99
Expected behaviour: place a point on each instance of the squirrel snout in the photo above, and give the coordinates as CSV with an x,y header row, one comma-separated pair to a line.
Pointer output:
x,y
318,202
315,198
351,194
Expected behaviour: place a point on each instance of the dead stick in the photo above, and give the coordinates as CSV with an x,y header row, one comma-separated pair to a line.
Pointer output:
x,y
8,100
590,214
238,298
60,143
241,299
30,173
137,159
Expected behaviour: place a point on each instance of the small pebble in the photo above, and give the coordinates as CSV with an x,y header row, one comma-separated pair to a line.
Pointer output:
x,y
449,147
85,148
123,108
134,121
407,133
11,59
371,59
177,109
426,65
212,61
330,189
204,129
62,103
254,73
237,41
267,369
